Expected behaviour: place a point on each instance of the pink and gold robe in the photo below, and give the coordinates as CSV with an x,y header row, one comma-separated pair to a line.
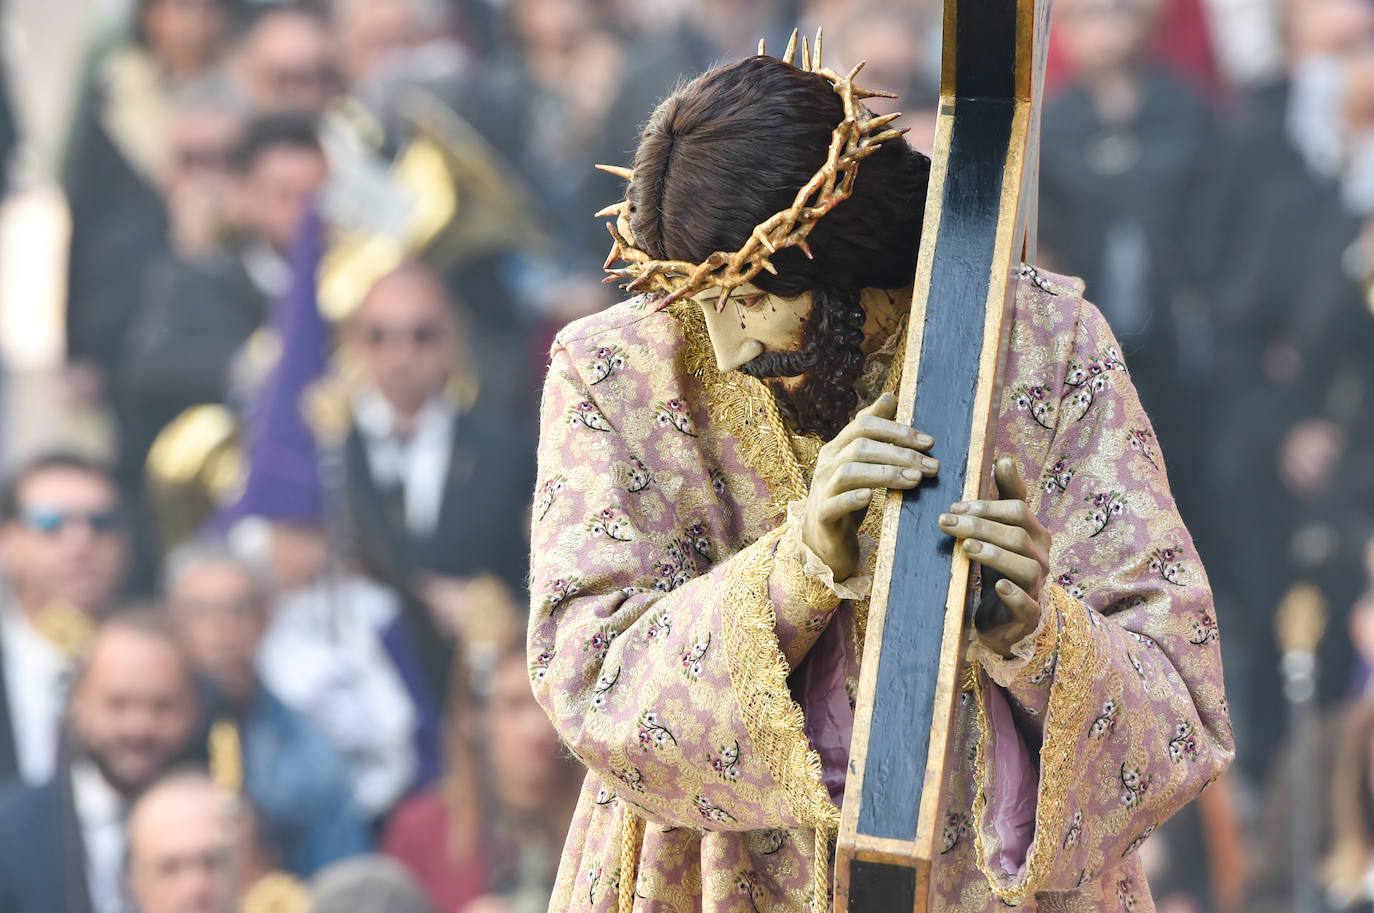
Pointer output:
x,y
703,672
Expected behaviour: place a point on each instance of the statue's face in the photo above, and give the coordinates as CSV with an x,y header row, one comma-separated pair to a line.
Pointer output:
x,y
754,322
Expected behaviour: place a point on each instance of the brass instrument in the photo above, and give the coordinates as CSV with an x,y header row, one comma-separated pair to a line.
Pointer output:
x,y
446,196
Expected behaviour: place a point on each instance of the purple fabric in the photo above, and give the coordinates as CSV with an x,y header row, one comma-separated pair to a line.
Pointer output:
x,y
818,685
399,643
283,479
1012,799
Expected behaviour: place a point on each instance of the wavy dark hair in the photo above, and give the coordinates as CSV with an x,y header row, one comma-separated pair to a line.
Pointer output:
x,y
731,148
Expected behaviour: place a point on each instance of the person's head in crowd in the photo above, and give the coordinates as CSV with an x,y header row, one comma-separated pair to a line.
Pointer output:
x,y
63,537
372,33
1328,44
406,338
504,756
206,124
286,61
278,167
134,710
184,35
1101,37
1326,29
526,756
218,604
547,26
901,47
367,884
184,833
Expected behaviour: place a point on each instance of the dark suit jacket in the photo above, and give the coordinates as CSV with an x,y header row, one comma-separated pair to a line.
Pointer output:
x,y
482,526
42,857
483,521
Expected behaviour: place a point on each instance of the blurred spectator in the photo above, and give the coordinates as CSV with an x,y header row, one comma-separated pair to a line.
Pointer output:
x,y
1349,871
291,772
1291,371
197,311
338,648
441,494
378,35
133,717
9,130
489,836
371,884
324,656
285,61
1121,149
902,49
63,551
194,848
117,166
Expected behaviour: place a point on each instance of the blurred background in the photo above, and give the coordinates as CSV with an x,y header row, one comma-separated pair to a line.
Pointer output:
x,y
274,527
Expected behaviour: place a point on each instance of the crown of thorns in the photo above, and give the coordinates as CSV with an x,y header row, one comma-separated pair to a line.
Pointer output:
x,y
854,139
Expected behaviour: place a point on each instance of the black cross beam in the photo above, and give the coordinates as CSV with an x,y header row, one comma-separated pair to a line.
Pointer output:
x,y
979,226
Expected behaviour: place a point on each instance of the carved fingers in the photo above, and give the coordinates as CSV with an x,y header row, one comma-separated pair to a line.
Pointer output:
x,y
872,451
1008,539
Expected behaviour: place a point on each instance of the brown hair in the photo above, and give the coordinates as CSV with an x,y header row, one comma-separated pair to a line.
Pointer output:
x,y
467,787
1352,802
731,148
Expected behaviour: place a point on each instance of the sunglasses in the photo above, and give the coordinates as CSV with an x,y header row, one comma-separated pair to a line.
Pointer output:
x,y
422,336
51,521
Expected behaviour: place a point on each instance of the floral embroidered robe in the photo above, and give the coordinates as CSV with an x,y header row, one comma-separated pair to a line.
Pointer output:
x,y
671,605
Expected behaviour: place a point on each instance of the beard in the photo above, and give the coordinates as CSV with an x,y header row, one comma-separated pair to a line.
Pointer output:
x,y
829,361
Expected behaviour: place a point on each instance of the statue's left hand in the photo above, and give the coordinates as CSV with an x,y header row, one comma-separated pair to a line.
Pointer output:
x,y
1005,536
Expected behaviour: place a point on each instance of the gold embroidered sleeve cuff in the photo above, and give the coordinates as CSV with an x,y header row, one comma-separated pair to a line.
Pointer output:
x,y
856,587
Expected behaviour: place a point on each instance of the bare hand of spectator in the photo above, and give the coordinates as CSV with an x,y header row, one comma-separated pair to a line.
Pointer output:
x,y
489,903
476,609
196,210
1309,454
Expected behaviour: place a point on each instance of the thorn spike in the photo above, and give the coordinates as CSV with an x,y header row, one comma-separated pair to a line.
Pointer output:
x,y
855,72
790,55
763,47
618,171
806,55
820,30
806,249
613,210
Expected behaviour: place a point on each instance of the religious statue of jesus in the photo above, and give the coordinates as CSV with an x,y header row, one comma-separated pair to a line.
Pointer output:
x,y
713,461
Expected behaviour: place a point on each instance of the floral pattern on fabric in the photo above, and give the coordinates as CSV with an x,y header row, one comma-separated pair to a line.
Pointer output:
x,y
667,611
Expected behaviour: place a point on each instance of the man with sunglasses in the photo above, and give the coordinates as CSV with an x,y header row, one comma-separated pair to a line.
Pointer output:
x,y
440,485
64,554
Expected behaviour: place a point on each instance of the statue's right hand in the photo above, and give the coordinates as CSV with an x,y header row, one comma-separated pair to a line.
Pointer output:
x,y
872,451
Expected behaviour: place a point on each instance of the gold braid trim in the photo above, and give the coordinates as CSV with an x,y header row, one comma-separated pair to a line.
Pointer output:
x,y
1066,718
631,845
744,407
758,674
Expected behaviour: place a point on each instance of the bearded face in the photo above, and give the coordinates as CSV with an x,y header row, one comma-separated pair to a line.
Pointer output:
x,y
808,349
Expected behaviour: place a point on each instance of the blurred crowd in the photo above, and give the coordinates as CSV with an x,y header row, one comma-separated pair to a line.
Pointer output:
x,y
261,638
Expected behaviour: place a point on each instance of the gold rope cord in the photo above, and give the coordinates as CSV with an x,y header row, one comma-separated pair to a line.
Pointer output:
x,y
631,844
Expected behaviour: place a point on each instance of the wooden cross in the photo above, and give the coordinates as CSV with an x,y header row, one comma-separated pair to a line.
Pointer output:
x,y
979,226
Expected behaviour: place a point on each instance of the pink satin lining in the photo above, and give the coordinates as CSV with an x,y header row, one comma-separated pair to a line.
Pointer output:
x,y
818,685
1015,780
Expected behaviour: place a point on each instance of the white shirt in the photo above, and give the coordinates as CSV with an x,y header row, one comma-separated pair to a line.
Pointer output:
x,y
102,813
420,461
329,664
37,676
